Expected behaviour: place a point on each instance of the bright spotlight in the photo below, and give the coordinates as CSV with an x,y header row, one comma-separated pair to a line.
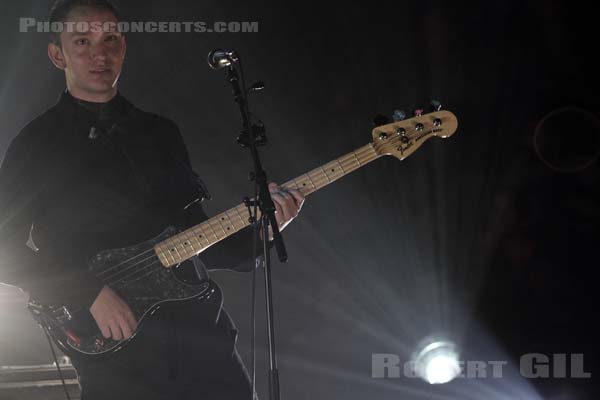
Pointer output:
x,y
437,361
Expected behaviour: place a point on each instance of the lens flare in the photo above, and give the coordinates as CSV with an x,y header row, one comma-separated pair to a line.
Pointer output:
x,y
437,361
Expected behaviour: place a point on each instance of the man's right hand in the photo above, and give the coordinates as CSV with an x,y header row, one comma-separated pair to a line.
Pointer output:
x,y
113,315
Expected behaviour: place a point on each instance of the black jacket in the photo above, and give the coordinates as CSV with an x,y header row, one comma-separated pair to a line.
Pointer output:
x,y
71,191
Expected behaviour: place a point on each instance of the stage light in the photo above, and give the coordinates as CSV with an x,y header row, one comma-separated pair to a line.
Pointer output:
x,y
437,361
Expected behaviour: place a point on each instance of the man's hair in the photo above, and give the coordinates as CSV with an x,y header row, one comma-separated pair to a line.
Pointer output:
x,y
61,8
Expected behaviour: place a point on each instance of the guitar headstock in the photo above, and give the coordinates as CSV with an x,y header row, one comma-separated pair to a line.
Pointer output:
x,y
401,138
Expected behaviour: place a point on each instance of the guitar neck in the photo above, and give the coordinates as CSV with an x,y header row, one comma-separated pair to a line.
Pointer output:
x,y
198,238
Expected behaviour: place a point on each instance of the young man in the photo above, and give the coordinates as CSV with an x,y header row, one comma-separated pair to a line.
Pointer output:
x,y
94,173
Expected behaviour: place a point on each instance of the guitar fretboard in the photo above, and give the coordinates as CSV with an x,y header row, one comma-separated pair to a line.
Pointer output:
x,y
198,238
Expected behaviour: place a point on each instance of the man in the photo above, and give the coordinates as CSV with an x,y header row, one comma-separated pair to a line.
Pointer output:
x,y
93,173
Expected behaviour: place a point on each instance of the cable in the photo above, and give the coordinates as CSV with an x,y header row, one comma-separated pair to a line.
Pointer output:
x,y
257,262
62,378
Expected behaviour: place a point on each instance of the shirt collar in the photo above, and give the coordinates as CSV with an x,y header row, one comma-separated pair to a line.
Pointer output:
x,y
115,109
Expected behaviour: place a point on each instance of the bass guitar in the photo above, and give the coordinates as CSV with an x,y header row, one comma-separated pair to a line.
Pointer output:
x,y
144,275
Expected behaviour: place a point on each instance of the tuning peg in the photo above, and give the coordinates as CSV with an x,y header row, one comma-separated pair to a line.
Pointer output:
x,y
398,115
380,119
435,105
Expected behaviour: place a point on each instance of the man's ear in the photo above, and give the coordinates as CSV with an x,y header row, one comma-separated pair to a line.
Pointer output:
x,y
55,55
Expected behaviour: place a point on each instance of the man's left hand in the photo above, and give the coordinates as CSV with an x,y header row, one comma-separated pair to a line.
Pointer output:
x,y
288,203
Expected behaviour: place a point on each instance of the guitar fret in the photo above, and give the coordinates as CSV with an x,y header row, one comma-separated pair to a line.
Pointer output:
x,y
231,223
177,251
330,166
223,224
199,244
370,147
291,184
184,246
348,164
195,244
169,254
218,220
190,242
161,254
209,233
325,173
181,249
356,158
166,257
340,164
212,229
349,161
169,247
173,256
311,182
200,232
240,216
360,152
231,228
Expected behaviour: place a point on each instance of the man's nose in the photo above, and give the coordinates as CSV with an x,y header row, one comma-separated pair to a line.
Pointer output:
x,y
98,51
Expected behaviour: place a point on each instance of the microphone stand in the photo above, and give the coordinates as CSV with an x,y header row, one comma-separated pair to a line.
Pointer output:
x,y
252,136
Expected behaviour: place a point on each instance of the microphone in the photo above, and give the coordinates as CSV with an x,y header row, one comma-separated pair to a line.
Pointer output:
x,y
219,58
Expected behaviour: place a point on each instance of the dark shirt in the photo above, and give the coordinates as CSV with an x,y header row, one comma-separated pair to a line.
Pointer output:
x,y
85,177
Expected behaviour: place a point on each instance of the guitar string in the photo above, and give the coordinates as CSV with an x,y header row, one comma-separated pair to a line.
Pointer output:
x,y
138,278
134,272
132,258
125,270
146,274
122,262
158,260
122,271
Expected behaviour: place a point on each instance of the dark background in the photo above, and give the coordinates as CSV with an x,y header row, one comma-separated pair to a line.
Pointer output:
x,y
474,236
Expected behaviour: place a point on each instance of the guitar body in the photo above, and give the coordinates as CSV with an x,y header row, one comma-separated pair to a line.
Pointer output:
x,y
137,276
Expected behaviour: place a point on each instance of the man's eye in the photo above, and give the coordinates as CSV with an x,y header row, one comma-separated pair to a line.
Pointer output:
x,y
111,38
81,41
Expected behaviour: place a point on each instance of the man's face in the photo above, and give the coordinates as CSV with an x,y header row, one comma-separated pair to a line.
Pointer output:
x,y
92,58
